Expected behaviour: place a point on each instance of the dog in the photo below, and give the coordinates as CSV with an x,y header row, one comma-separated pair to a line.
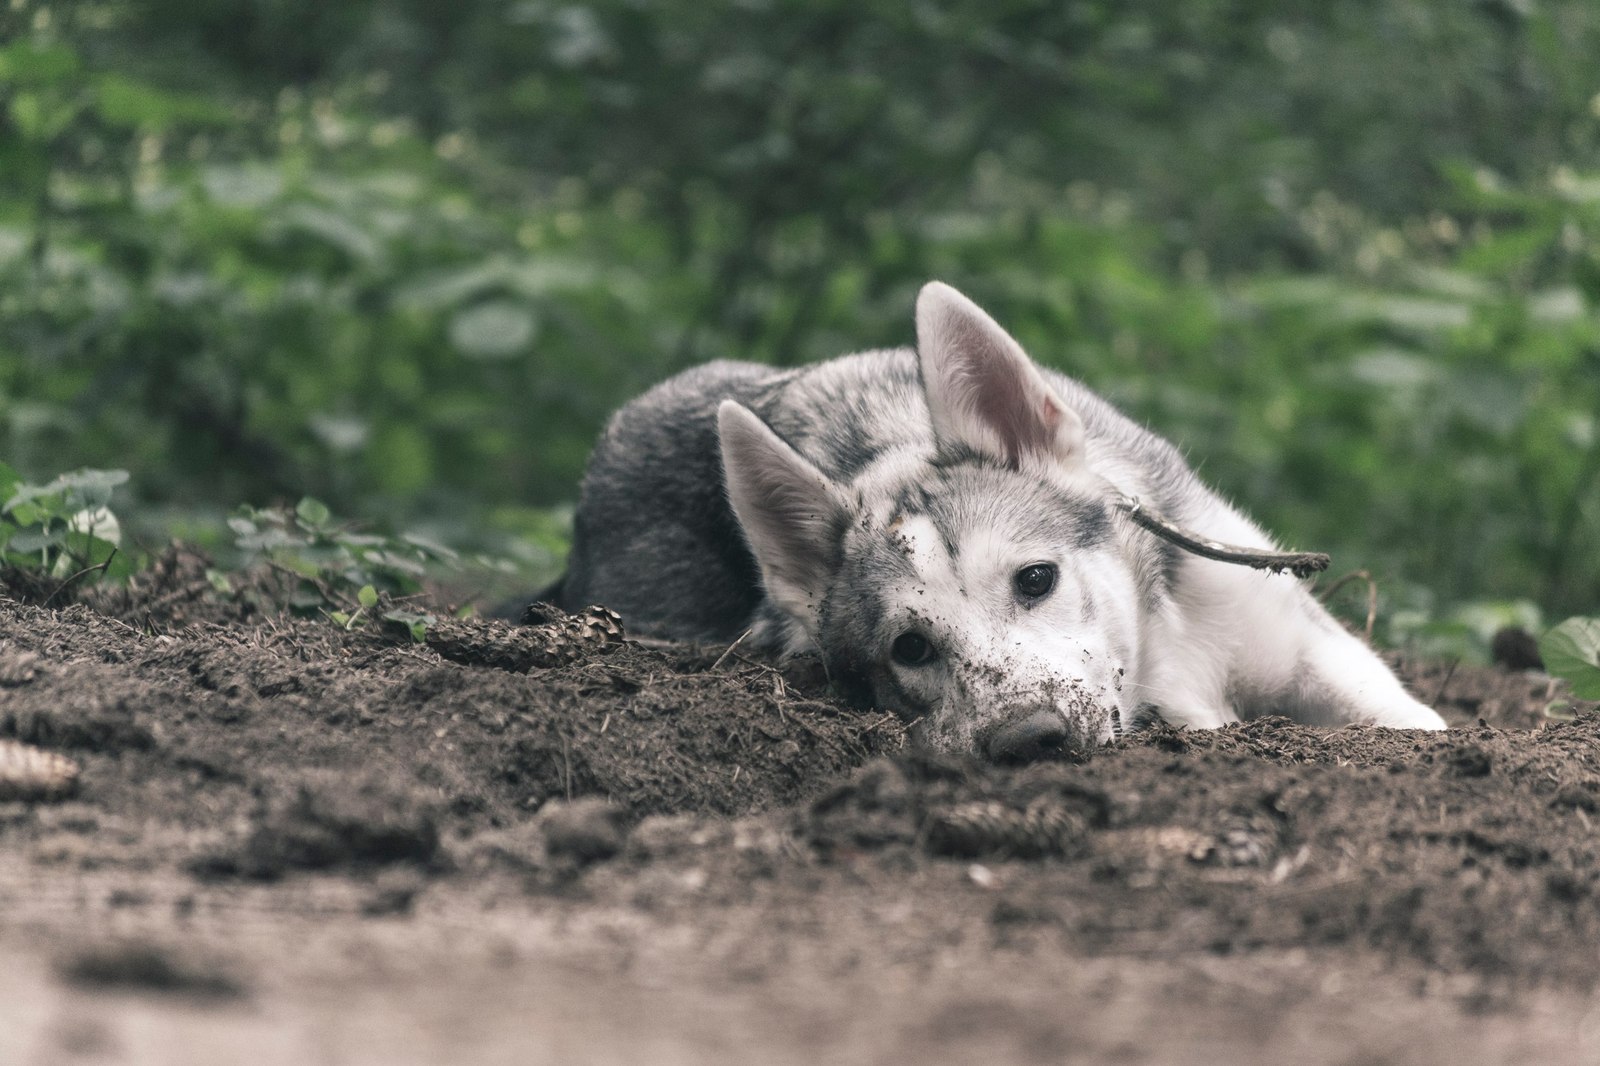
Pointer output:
x,y
939,525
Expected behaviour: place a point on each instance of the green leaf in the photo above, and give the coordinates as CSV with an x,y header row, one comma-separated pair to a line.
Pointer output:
x,y
1586,274
1510,249
368,596
499,329
430,547
26,63
1572,651
306,597
36,540
9,480
122,101
81,490
87,549
313,513
123,565
23,514
415,621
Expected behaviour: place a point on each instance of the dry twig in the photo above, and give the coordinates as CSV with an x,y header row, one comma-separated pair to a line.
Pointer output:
x,y
102,567
1372,594
1300,564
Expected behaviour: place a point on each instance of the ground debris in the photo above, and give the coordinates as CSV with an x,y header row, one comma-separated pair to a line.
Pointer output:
x,y
989,827
585,830
327,822
311,779
137,965
30,773
17,667
486,642
957,808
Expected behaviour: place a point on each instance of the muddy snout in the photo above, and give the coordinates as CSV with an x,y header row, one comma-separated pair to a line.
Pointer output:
x,y
1041,732
1033,735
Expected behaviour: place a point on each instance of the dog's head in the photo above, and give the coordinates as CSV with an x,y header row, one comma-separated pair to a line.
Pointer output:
x,y
977,589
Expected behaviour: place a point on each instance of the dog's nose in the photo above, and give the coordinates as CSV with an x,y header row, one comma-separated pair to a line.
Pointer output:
x,y
1032,736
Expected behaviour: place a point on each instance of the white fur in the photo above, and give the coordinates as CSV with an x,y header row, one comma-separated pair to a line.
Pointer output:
x,y
1223,642
967,359
786,508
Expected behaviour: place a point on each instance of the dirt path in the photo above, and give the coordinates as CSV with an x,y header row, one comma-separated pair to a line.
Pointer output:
x,y
291,844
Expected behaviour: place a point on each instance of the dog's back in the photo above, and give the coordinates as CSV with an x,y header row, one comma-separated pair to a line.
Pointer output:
x,y
654,537
656,540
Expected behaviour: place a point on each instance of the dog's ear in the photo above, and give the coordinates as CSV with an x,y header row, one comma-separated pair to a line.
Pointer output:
x,y
983,391
792,514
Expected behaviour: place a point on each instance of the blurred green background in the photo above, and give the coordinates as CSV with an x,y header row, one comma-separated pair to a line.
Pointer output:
x,y
406,255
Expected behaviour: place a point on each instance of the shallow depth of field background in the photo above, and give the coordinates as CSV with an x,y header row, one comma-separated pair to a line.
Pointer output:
x,y
406,255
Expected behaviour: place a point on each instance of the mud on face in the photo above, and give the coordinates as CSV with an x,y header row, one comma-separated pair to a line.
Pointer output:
x,y
997,619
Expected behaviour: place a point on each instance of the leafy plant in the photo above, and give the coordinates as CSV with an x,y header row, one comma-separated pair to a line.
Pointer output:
x,y
64,528
1571,650
249,265
337,571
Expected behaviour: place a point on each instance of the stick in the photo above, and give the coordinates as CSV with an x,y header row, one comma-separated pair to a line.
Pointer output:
x,y
1372,594
1448,674
1300,564
102,567
729,652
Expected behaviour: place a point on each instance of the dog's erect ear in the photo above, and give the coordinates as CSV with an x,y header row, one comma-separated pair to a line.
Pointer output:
x,y
792,515
983,390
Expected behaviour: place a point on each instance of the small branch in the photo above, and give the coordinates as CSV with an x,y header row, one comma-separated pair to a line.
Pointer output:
x,y
1372,594
1300,564
328,593
728,652
102,567
1448,674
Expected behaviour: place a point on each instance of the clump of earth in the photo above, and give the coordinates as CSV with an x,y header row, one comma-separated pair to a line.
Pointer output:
x,y
282,841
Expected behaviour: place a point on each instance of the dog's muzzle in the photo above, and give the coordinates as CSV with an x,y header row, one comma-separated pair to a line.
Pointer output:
x,y
1039,734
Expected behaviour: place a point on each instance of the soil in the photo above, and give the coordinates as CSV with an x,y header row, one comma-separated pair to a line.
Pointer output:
x,y
290,843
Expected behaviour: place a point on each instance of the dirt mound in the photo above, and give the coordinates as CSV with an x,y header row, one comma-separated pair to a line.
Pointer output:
x,y
306,709
709,814
1470,851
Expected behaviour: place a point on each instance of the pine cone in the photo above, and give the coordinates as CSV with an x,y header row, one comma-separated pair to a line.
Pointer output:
x,y
522,648
602,625
970,830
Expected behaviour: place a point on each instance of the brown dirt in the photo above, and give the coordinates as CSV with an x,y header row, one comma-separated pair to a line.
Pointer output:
x,y
290,843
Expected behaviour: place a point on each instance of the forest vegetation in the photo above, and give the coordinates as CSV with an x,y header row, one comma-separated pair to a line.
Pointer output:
x,y
405,256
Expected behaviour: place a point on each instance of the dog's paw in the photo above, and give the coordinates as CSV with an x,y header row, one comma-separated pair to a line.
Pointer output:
x,y
1415,716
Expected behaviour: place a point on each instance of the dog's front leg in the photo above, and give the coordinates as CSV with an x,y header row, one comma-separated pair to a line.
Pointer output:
x,y
1187,714
1330,676
1344,681
1186,684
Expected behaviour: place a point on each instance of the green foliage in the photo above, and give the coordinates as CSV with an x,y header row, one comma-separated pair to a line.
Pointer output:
x,y
1571,650
408,255
414,622
63,527
1465,631
338,572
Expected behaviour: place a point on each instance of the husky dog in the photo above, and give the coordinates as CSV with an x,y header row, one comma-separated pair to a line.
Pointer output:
x,y
938,524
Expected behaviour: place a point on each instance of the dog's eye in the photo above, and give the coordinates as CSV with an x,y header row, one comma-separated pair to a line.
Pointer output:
x,y
913,649
1036,580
